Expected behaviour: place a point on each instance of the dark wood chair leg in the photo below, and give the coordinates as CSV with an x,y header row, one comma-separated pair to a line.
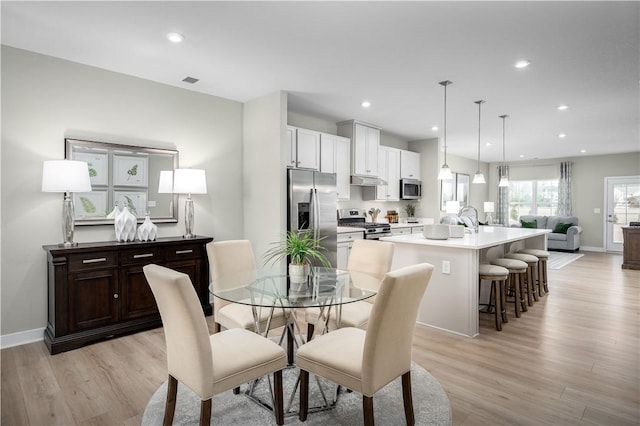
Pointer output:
x,y
503,307
205,412
515,283
310,330
407,398
367,409
530,286
279,401
290,337
170,406
304,395
236,391
523,302
495,290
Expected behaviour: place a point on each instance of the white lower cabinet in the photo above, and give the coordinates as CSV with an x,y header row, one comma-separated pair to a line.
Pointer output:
x,y
345,242
400,231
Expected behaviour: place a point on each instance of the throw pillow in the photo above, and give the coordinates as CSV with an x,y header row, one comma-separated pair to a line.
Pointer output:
x,y
561,228
526,224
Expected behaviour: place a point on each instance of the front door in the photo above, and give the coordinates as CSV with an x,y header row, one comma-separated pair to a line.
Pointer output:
x,y
622,205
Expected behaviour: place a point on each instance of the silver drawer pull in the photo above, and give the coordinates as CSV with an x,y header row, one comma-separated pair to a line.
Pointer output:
x,y
184,251
101,259
140,256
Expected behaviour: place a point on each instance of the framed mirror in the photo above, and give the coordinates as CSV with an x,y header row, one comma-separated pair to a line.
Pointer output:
x,y
122,174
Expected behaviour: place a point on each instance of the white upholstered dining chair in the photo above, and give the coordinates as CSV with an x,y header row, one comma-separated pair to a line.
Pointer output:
x,y
366,361
367,256
234,258
208,364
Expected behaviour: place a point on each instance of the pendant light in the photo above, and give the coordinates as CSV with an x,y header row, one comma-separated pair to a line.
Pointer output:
x,y
504,180
478,177
445,171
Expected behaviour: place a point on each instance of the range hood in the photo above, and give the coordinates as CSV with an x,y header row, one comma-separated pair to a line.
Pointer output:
x,y
367,181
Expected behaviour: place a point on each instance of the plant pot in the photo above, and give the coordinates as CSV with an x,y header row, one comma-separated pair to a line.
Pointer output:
x,y
298,273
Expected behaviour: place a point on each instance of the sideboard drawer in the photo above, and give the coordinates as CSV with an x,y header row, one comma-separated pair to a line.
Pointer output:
x,y
90,261
182,251
143,255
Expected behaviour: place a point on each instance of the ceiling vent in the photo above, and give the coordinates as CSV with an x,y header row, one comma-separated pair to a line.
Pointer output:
x,y
190,80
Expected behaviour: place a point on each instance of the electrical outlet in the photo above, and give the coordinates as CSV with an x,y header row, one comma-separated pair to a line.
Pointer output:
x,y
446,267
596,210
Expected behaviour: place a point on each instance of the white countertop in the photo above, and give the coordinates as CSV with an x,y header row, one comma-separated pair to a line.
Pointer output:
x,y
404,225
487,236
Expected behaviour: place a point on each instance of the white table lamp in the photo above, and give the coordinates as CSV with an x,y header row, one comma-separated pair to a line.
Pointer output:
x,y
165,184
189,181
489,208
66,176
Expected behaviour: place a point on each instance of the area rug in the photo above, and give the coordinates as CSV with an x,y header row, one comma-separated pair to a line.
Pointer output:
x,y
430,403
558,259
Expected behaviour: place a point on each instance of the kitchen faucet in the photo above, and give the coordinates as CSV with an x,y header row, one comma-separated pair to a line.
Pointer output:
x,y
474,218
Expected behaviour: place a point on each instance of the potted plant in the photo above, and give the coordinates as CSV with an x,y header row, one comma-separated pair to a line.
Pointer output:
x,y
410,209
301,248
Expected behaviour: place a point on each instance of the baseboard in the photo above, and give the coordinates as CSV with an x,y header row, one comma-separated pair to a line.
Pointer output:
x,y
596,249
21,338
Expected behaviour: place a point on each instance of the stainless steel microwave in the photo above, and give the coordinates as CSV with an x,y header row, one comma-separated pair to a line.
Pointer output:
x,y
410,189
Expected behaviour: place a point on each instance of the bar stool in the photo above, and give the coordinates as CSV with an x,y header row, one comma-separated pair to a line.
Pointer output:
x,y
498,277
517,269
532,274
542,256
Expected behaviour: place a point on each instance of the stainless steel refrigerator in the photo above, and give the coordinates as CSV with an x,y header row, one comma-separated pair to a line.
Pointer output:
x,y
312,202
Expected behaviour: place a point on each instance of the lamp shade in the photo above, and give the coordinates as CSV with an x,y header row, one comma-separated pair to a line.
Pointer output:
x,y
65,176
453,207
489,207
165,184
189,181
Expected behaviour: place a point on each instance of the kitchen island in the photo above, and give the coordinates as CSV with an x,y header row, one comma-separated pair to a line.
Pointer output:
x,y
451,300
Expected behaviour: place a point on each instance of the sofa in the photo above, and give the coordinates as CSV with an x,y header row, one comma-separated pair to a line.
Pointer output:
x,y
569,240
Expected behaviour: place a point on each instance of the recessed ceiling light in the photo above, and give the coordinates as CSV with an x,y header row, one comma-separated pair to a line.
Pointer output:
x,y
563,107
434,128
583,151
175,37
521,155
365,104
562,135
523,63
487,144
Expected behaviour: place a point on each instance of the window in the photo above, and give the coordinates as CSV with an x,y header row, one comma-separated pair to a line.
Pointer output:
x,y
532,197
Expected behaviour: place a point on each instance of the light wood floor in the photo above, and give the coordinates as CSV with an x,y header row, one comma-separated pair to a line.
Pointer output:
x,y
572,359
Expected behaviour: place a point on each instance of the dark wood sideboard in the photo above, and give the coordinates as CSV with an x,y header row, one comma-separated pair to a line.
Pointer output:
x,y
98,290
631,250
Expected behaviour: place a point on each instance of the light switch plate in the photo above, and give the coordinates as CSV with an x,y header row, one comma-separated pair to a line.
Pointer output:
x,y
596,210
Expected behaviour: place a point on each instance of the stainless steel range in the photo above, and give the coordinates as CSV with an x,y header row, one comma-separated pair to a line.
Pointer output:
x,y
357,218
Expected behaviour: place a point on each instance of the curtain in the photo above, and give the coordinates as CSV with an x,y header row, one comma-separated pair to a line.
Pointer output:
x,y
502,211
564,189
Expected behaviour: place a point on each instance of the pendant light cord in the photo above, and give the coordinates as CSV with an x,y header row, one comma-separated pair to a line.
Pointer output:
x,y
445,84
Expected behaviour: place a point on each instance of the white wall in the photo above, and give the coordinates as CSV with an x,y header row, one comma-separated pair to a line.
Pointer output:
x,y
265,179
587,187
44,100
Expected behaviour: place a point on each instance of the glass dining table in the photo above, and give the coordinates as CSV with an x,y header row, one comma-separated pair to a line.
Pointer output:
x,y
272,289
267,290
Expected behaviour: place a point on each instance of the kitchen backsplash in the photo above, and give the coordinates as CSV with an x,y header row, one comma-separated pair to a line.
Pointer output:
x,y
356,202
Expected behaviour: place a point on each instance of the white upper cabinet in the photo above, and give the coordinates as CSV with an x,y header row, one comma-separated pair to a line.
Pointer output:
x,y
343,168
304,148
389,170
334,158
365,142
409,165
328,153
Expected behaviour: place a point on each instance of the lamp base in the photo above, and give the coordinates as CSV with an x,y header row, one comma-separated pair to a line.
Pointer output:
x,y
189,236
68,244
